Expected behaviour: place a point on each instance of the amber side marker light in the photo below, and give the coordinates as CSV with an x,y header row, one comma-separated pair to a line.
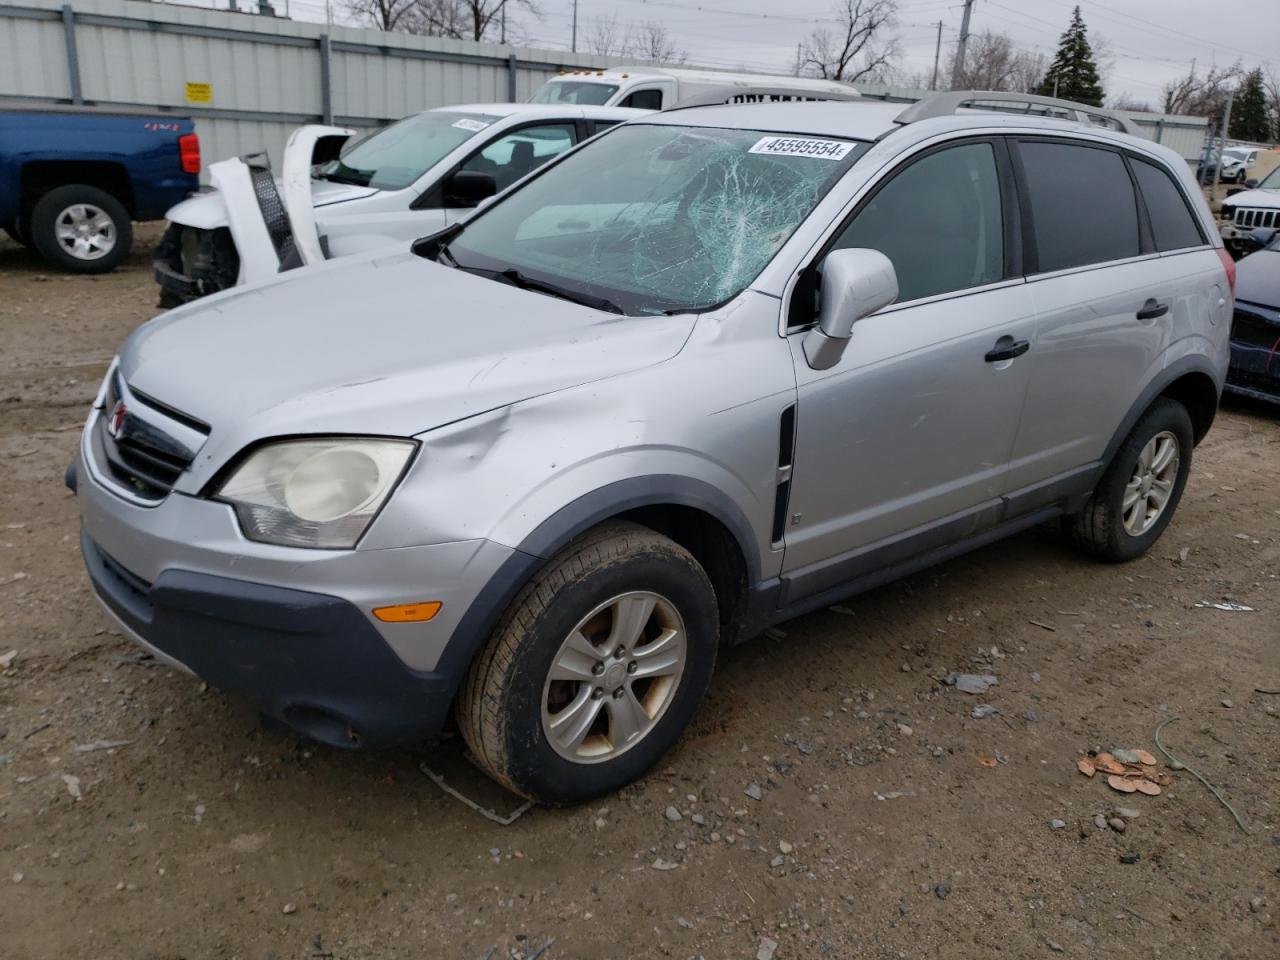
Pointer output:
x,y
408,612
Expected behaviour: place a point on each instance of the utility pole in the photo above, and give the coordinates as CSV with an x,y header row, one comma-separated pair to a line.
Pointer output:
x,y
937,52
1222,143
964,39
503,23
574,43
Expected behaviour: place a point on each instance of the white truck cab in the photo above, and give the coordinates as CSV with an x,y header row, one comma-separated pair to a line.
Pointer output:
x,y
661,88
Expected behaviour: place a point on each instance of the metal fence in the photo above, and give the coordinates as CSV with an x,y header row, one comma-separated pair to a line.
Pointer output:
x,y
248,80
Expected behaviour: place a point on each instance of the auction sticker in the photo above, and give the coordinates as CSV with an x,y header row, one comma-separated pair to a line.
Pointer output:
x,y
802,147
466,123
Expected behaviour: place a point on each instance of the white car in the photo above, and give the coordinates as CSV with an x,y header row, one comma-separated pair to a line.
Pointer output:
x,y
336,196
660,88
1246,211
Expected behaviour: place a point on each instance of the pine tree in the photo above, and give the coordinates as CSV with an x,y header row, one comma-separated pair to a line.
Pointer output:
x,y
1073,71
1249,117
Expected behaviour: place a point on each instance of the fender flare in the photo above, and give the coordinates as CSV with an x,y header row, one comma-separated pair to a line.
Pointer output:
x,y
1158,385
570,521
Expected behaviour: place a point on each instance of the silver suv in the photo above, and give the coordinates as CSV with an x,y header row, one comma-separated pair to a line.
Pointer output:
x,y
716,368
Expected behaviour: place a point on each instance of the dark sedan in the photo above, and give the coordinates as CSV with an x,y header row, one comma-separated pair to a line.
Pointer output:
x,y
1255,332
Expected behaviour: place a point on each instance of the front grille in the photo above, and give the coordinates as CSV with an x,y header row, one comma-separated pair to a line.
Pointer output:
x,y
274,214
142,445
1255,217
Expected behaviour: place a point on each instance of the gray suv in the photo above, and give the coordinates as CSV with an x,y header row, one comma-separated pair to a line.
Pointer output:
x,y
717,367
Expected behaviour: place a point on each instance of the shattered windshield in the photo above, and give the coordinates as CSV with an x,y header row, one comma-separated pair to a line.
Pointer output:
x,y
396,156
657,218
575,91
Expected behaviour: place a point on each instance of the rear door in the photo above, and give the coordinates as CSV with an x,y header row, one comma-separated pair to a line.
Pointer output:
x,y
1108,301
904,444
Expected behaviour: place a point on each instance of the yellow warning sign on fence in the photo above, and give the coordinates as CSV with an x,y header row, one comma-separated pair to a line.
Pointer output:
x,y
199,92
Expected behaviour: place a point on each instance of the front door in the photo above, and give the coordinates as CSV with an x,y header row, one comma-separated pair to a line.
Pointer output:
x,y
905,443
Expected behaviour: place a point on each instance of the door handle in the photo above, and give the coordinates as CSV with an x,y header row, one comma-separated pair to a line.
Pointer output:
x,y
1151,309
1007,348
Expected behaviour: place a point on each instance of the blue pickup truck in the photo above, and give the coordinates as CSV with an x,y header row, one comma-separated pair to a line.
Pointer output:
x,y
71,181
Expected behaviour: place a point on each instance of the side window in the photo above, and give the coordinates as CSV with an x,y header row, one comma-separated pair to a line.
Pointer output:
x,y
1172,222
643,100
520,152
939,222
1082,204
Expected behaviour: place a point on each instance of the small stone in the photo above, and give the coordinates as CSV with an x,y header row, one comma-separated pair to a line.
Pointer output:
x,y
1100,821
1130,858
682,922
1228,704
906,668
754,792
699,819
905,730
983,710
942,890
672,814
1035,677
1117,824
601,823
289,908
17,877
767,949
715,837
1177,765
1256,904
1129,813
1055,946
6,661
660,864
495,852
777,861
784,846
1031,716
120,885
1057,824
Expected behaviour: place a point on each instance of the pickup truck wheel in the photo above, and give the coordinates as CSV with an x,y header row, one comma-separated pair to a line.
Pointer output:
x,y
81,229
595,669
1140,490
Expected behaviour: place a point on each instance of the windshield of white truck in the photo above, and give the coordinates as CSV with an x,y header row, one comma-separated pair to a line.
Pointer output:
x,y
655,219
396,156
575,91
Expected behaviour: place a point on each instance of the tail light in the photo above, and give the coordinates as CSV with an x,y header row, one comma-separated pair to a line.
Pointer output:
x,y
189,152
1230,266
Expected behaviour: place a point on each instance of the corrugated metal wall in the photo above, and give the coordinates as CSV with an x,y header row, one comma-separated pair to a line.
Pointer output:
x,y
266,73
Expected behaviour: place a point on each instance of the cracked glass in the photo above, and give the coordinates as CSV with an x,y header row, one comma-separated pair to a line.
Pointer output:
x,y
656,218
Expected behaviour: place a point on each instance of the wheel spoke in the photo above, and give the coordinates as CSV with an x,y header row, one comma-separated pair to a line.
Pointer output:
x,y
627,718
1144,458
660,657
570,726
630,615
1164,455
1131,494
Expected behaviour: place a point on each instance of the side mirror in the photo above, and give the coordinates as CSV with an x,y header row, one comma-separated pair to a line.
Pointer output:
x,y
1251,183
855,284
467,188
1262,236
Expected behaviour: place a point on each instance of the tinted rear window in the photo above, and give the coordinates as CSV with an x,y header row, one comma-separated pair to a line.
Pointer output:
x,y
1082,204
1172,223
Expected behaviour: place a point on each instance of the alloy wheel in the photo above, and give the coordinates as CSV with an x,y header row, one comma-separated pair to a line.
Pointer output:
x,y
85,231
1149,488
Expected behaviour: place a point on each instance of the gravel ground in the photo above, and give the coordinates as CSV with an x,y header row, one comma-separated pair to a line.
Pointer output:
x,y
833,797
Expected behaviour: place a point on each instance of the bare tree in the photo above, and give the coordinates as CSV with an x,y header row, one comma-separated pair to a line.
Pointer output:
x,y
607,37
857,48
1126,102
384,14
993,62
1202,95
651,41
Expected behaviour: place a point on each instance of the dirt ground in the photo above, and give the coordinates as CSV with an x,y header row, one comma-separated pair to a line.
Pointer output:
x,y
878,832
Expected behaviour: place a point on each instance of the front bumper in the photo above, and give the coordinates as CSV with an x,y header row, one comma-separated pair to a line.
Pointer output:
x,y
291,630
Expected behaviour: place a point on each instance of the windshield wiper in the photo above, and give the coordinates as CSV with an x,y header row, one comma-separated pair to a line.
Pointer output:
x,y
336,178
525,282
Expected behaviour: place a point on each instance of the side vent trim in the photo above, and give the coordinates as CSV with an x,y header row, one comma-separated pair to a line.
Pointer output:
x,y
786,454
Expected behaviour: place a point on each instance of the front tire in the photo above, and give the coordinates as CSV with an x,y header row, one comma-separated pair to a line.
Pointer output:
x,y
1138,494
81,229
595,668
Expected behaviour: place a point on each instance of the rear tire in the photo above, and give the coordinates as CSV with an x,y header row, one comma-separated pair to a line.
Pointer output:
x,y
1138,494
536,682
81,229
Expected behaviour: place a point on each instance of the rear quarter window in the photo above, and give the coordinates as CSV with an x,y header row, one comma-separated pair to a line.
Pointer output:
x,y
1173,225
1082,204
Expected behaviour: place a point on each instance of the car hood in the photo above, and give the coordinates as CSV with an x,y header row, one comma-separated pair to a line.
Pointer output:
x,y
1258,278
207,210
326,192
387,344
1254,198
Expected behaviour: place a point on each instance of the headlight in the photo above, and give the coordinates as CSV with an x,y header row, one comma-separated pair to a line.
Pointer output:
x,y
314,493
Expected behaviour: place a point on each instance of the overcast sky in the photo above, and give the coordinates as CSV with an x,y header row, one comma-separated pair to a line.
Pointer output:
x,y
1151,41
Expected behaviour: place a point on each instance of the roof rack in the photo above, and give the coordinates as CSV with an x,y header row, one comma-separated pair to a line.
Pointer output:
x,y
952,101
740,94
